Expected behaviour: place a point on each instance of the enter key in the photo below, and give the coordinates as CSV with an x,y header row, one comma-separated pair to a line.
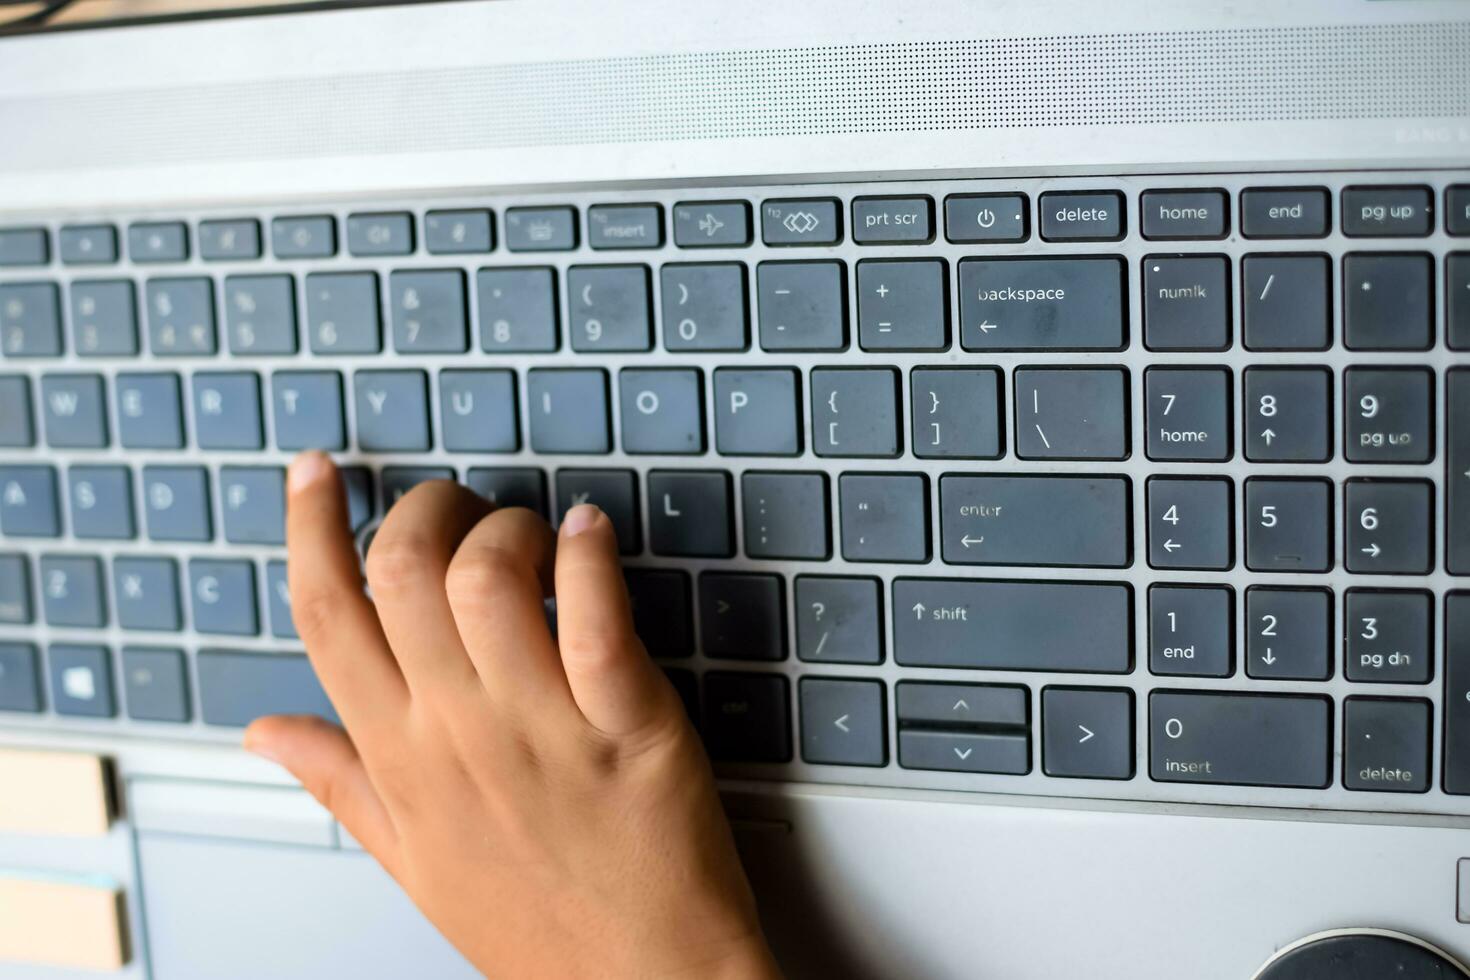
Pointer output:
x,y
1063,521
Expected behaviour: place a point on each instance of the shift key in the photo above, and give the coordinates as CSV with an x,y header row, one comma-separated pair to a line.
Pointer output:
x,y
1240,739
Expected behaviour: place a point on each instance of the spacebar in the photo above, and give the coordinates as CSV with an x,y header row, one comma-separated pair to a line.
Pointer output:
x,y
236,687
1240,739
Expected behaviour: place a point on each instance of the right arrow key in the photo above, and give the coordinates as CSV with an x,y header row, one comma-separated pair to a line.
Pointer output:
x,y
1087,733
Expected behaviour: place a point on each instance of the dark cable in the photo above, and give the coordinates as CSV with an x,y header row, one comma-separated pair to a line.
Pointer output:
x,y
35,18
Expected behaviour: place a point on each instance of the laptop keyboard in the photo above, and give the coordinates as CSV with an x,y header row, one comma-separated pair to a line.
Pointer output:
x,y
1140,487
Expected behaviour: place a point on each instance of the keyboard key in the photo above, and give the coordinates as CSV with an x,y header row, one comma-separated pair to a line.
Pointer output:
x,y
884,517
690,514
477,410
1181,215
1288,634
101,502
1286,302
1457,209
313,237
615,492
618,226
1457,473
1087,733
611,308
1191,631
392,410
24,246
156,684
260,314
747,717
429,312
181,317
17,424
158,241
509,486
81,680
704,307
957,413
223,596
233,239
903,304
1388,527
1457,300
839,620
997,625
358,484
1189,524
742,616
1284,212
550,229
104,319
569,410
803,305
1071,413
1288,415
1083,216
1043,304
1386,745
308,410
1186,302
74,409
1288,525
176,503
801,221
662,611
686,685
236,687
711,224
88,244
389,233
29,507
399,480
517,310
1389,415
786,515
20,678
962,705
16,605
1188,414
892,220
1387,211
30,320
253,504
1388,636
1034,520
1005,753
843,722
459,232
1240,739
662,410
150,413
987,218
1388,301
1457,693
757,412
147,591
72,591
342,315
855,412
227,412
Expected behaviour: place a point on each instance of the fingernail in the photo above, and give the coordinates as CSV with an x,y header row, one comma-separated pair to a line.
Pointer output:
x,y
306,469
257,746
579,519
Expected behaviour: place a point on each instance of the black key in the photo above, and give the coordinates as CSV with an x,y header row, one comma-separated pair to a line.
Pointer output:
x,y
1456,210
1457,299
1003,752
1179,215
610,307
711,224
957,413
1288,415
459,232
1186,302
304,237
802,221
1083,216
72,591
690,514
1286,302
517,310
843,722
1457,472
884,517
74,410
1388,301
1087,733
1187,414
357,482
1288,634
1240,739
24,246
227,412
662,611
1035,520
158,241
16,606
1388,527
747,717
1288,525
157,684
430,315
839,620
786,515
87,244
20,678
925,705
742,616
1387,212
181,319
233,239
393,410
1191,631
1071,413
996,625
30,320
705,307
545,229
342,313
1189,523
1043,304
1457,693
253,504
892,220
29,504
903,304
569,410
477,411
803,305
1284,212
510,486
17,421
389,233
987,218
81,680
616,226
1388,636
757,412
236,687
104,318
662,410
615,492
1388,415
855,412
1386,745
686,685
399,480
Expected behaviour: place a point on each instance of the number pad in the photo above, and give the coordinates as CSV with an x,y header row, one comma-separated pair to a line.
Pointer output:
x,y
1187,413
1189,524
1288,634
1190,631
1388,527
1288,415
1288,525
1388,635
1388,415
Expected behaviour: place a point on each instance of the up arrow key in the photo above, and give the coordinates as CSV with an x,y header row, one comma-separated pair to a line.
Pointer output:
x,y
961,705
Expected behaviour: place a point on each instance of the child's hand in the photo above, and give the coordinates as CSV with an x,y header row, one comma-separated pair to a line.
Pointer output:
x,y
544,802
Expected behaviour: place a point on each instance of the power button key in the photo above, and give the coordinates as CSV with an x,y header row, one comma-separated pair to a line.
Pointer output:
x,y
987,218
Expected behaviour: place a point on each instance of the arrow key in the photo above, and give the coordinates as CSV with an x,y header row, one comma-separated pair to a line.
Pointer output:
x,y
1189,523
1288,634
1087,733
842,722
965,751
961,705
1388,526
